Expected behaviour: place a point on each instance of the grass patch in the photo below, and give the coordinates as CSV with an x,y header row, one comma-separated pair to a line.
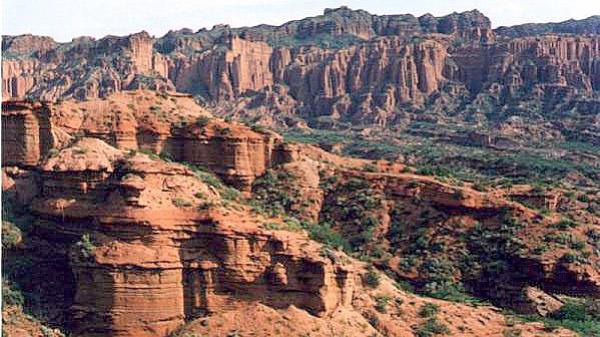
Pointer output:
x,y
581,316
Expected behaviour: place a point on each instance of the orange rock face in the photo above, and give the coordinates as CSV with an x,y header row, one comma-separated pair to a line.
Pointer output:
x,y
169,124
373,67
158,247
176,262
26,133
233,151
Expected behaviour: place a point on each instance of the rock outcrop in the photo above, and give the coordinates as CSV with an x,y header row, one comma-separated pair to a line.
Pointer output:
x,y
422,228
152,246
344,65
117,63
586,26
26,133
157,258
171,125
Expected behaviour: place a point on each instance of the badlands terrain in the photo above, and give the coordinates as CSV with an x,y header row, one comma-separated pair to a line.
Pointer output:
x,y
341,175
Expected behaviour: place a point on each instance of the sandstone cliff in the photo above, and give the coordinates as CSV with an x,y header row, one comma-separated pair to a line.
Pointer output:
x,y
436,234
195,262
171,125
134,244
343,65
152,245
589,25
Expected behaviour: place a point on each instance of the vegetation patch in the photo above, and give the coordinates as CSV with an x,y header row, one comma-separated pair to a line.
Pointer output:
x,y
581,316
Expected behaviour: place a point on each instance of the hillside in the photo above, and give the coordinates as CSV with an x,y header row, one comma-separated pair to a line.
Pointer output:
x,y
120,230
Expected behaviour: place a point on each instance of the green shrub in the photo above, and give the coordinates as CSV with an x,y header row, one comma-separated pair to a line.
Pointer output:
x,y
491,250
452,292
353,204
11,235
202,121
258,128
574,311
53,153
292,224
429,310
565,224
569,257
372,278
322,232
550,326
583,198
276,193
438,272
581,316
405,286
271,226
166,155
46,331
431,327
381,303
86,246
541,248
369,168
577,245
11,295
181,203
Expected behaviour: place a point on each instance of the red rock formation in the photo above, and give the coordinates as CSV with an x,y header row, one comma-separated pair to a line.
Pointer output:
x,y
138,66
242,65
27,43
26,133
550,60
233,151
158,260
18,77
161,247
380,66
169,124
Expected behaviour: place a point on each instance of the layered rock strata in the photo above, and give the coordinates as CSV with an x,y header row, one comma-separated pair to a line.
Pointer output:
x,y
171,125
383,65
156,259
26,133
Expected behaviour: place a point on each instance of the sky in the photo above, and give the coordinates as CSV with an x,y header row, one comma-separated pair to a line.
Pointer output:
x,y
66,19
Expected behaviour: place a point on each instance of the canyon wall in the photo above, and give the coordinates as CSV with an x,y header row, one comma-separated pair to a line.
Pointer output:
x,y
380,66
169,125
26,133
154,261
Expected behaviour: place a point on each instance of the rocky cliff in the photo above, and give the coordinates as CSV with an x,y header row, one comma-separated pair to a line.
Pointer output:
x,y
196,260
26,132
386,80
142,214
344,65
586,26
170,125
382,68
152,245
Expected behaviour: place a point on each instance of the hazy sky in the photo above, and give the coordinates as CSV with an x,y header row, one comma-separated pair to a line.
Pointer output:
x,y
65,19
